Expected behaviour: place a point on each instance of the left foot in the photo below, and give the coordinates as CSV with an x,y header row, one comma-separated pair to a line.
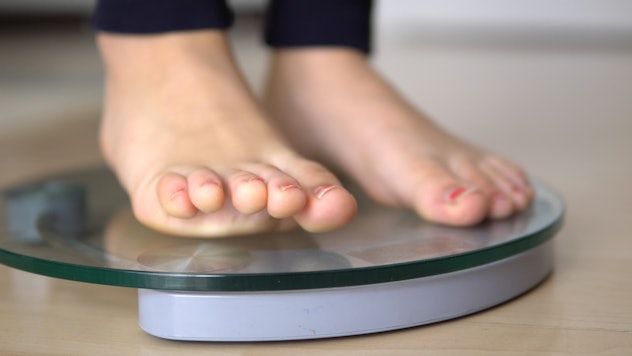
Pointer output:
x,y
193,148
336,109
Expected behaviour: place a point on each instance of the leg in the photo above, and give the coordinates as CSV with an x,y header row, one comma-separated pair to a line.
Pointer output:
x,y
361,126
189,142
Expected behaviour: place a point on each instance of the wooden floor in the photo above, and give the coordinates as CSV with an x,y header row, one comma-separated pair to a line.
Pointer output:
x,y
560,106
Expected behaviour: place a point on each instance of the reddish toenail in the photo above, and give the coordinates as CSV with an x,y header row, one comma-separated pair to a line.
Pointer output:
x,y
459,192
288,186
455,193
322,190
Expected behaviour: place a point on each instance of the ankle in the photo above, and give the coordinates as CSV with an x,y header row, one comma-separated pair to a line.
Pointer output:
x,y
318,56
137,55
315,63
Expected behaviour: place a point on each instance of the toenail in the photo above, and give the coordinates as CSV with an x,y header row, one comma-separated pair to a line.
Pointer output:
x,y
209,183
499,197
256,179
458,192
177,194
322,190
288,186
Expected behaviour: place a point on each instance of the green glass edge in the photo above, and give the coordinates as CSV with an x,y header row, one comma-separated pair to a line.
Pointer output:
x,y
280,281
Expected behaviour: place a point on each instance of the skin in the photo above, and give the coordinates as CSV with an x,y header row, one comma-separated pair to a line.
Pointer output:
x,y
200,156
193,148
337,109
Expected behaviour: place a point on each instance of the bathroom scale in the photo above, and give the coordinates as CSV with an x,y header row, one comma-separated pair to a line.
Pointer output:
x,y
387,270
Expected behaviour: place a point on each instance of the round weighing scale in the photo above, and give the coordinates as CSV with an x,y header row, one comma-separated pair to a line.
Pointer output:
x,y
387,270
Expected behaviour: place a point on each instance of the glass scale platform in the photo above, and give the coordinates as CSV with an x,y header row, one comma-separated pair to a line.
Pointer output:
x,y
387,270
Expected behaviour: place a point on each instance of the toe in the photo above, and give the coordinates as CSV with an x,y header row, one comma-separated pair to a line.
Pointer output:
x,y
442,197
329,207
328,204
492,184
248,192
205,190
515,182
286,197
513,173
173,195
512,189
501,206
452,203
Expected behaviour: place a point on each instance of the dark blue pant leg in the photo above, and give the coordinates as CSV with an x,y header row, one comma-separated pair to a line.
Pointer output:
x,y
154,16
299,23
289,23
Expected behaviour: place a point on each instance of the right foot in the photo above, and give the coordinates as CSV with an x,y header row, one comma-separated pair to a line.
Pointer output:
x,y
334,107
192,148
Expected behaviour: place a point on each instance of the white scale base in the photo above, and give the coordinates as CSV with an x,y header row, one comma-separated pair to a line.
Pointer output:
x,y
343,311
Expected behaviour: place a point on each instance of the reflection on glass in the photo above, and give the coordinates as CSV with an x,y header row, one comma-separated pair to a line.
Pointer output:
x,y
114,240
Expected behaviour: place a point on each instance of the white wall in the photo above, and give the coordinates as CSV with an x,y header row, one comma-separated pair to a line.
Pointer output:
x,y
602,15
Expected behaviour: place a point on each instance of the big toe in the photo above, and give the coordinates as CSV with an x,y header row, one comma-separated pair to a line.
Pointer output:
x,y
453,204
329,205
441,197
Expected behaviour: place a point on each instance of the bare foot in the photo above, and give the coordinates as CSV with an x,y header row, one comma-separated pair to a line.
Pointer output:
x,y
192,148
335,108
